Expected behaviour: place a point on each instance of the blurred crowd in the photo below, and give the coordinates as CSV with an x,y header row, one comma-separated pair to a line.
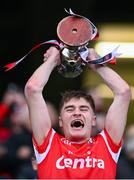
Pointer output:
x,y
15,135
17,159
125,168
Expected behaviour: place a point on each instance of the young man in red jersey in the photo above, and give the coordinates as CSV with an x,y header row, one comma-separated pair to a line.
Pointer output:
x,y
76,154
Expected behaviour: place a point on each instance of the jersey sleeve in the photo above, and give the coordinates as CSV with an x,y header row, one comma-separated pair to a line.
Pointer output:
x,y
42,150
114,149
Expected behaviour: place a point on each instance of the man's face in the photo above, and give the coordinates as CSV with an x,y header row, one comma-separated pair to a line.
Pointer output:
x,y
77,119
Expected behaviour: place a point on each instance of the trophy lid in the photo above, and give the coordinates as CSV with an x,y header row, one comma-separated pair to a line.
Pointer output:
x,y
74,31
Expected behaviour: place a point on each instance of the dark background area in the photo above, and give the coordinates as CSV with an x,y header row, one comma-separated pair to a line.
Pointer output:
x,y
24,24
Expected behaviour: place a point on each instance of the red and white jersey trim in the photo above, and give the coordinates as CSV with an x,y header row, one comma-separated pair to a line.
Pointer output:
x,y
114,155
41,156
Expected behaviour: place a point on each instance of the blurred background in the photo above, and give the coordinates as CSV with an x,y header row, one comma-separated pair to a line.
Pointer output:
x,y
23,24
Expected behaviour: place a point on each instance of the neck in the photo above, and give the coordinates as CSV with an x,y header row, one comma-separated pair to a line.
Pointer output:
x,y
78,140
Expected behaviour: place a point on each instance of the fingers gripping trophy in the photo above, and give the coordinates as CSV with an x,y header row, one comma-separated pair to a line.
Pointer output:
x,y
75,33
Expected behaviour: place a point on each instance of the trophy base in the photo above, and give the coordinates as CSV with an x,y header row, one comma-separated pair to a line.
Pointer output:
x,y
74,31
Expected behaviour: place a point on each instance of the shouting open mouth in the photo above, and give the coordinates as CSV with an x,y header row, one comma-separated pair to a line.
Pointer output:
x,y
77,123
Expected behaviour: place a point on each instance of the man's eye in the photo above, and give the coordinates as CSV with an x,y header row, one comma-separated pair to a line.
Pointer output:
x,y
84,109
69,110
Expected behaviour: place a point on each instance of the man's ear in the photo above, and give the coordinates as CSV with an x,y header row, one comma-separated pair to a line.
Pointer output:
x,y
60,122
94,121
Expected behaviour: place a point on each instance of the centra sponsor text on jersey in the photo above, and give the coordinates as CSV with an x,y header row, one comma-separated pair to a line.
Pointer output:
x,y
81,163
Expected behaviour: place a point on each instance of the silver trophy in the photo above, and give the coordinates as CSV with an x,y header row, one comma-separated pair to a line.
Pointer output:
x,y
75,33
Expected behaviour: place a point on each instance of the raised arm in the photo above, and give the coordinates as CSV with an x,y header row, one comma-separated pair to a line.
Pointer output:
x,y
39,116
117,114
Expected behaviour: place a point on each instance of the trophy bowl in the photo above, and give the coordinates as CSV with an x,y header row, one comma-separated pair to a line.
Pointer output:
x,y
74,32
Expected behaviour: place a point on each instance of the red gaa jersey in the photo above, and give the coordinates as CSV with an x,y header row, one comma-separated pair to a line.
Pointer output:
x,y
58,158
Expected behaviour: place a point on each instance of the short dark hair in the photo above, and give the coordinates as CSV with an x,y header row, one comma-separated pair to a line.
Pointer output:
x,y
67,95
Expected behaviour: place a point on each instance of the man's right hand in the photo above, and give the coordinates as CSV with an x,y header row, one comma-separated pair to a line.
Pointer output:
x,y
54,53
